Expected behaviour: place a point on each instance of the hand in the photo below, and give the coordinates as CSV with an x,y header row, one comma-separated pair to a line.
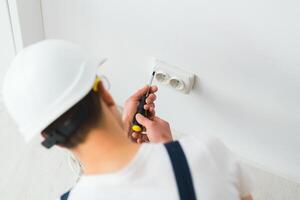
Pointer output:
x,y
132,102
157,130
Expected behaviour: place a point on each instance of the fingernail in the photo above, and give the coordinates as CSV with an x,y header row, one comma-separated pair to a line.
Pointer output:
x,y
137,115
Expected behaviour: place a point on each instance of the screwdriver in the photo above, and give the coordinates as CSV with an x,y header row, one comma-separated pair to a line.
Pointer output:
x,y
137,127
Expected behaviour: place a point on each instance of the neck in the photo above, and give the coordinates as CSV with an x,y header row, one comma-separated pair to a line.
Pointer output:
x,y
105,151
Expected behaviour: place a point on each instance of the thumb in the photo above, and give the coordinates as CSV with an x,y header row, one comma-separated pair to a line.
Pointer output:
x,y
143,120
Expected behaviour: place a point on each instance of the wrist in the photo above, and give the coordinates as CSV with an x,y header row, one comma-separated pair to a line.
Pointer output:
x,y
166,137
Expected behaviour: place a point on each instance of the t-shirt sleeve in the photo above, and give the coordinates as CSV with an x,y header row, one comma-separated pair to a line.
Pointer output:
x,y
231,167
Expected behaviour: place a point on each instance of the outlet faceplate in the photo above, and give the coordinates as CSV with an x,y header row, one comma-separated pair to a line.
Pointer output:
x,y
176,78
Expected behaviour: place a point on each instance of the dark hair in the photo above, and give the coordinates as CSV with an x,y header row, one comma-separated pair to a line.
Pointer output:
x,y
90,112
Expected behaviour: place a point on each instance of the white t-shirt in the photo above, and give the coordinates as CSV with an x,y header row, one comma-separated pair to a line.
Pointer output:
x,y
217,175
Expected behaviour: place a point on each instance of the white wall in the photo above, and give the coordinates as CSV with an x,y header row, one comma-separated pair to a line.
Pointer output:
x,y
26,22
27,172
245,53
7,49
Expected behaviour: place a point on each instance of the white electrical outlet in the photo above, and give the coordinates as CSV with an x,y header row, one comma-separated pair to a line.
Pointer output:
x,y
162,76
173,76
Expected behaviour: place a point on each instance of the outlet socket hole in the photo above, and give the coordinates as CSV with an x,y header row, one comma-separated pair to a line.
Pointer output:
x,y
177,83
162,77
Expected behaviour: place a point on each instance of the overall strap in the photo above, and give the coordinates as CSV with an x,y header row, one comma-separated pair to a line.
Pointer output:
x,y
65,195
181,170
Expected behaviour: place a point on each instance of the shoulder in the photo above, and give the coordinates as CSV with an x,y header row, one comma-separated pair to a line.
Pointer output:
x,y
212,148
225,161
212,144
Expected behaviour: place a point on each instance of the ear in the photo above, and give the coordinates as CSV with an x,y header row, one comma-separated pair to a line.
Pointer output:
x,y
104,95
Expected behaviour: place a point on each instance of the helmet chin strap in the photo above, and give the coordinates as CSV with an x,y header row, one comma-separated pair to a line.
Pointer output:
x,y
62,133
52,139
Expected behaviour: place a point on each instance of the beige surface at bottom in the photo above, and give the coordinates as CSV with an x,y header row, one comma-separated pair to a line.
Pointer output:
x,y
271,187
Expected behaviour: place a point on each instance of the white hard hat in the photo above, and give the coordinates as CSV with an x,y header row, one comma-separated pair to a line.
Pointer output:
x,y
44,81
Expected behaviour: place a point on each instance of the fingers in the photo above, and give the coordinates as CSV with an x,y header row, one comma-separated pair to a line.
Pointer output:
x,y
143,120
151,115
145,138
151,98
149,107
137,95
152,109
140,137
136,135
153,89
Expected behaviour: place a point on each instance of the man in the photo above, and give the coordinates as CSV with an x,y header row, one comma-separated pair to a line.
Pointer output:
x,y
52,89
